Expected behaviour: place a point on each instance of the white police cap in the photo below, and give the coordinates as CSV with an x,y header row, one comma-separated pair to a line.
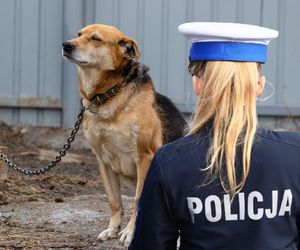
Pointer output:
x,y
214,41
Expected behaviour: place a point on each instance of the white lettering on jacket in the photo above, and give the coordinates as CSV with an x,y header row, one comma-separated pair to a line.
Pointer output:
x,y
249,206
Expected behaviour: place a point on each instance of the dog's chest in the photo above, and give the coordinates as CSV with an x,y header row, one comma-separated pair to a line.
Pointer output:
x,y
114,144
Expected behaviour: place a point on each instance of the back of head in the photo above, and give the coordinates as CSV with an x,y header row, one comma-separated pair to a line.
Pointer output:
x,y
228,105
227,57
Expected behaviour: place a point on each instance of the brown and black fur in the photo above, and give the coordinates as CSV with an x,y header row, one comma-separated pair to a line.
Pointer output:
x,y
173,124
125,131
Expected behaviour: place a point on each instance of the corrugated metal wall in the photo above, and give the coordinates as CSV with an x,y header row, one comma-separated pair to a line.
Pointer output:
x,y
37,87
30,63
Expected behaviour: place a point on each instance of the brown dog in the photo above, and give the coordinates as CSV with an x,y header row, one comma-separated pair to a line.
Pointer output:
x,y
127,120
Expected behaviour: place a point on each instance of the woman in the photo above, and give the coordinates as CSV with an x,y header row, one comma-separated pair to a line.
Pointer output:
x,y
228,184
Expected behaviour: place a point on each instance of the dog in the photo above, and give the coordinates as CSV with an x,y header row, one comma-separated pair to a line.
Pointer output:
x,y
126,121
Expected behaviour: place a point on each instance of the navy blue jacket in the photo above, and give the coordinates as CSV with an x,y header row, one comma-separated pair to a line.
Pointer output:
x,y
265,215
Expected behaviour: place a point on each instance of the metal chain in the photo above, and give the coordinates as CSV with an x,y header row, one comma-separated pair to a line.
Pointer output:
x,y
58,158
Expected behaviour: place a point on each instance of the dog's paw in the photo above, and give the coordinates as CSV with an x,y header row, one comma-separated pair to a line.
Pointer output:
x,y
126,235
109,233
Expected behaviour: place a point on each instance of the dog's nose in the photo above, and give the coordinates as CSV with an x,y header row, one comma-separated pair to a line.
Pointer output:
x,y
68,47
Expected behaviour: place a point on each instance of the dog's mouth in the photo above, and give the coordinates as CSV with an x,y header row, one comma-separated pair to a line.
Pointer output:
x,y
72,59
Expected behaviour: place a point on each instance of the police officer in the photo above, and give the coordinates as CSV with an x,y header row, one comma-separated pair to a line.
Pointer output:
x,y
228,184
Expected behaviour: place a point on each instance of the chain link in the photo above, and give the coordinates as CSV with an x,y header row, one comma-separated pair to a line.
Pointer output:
x,y
58,158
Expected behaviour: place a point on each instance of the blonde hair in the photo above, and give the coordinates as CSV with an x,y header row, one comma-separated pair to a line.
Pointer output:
x,y
228,105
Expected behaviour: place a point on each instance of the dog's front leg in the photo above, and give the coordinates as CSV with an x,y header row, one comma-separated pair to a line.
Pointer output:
x,y
112,188
143,164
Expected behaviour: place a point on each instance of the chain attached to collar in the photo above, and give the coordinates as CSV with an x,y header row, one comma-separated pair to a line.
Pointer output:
x,y
57,159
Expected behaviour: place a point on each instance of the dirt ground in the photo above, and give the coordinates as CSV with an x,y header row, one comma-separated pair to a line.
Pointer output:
x,y
64,209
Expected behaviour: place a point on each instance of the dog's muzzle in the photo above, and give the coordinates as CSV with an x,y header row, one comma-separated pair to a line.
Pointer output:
x,y
69,53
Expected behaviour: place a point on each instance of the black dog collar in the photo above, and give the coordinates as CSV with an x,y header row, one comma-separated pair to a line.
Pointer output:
x,y
99,99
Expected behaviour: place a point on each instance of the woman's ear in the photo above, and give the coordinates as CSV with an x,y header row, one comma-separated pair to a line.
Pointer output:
x,y
130,48
197,84
260,86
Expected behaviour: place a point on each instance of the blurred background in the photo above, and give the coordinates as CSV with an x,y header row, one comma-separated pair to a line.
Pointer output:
x,y
38,87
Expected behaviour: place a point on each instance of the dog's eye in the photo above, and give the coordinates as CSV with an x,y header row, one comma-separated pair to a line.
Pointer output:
x,y
79,34
95,38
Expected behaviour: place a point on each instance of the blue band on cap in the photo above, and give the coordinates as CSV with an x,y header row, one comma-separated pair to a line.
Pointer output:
x,y
228,51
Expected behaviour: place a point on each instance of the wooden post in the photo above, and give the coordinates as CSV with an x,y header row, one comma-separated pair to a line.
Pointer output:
x,y
3,167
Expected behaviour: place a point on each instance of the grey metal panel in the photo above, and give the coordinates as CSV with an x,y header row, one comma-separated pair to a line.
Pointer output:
x,y
7,56
199,10
30,102
291,55
227,10
50,60
250,11
280,123
272,70
27,45
107,12
128,17
32,67
164,36
73,21
89,11
289,111
152,51
176,52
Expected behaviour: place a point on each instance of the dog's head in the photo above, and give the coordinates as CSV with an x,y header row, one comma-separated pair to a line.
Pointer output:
x,y
101,46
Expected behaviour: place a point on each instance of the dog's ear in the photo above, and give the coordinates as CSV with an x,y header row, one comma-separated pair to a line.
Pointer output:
x,y
129,48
